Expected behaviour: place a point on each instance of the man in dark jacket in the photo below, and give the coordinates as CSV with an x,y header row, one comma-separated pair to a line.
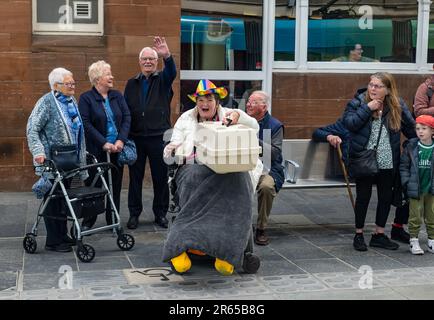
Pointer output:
x,y
270,139
148,96
335,134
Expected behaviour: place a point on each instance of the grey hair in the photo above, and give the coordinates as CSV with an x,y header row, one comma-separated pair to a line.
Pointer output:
x,y
96,71
148,48
56,76
265,96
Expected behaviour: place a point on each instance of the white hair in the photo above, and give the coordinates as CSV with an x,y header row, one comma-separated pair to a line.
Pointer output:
x,y
148,48
96,71
264,95
56,76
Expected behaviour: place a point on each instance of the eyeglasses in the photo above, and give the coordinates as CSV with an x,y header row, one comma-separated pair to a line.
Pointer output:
x,y
255,103
147,58
67,84
375,86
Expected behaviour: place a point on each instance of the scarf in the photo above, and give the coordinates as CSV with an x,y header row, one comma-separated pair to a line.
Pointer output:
x,y
70,111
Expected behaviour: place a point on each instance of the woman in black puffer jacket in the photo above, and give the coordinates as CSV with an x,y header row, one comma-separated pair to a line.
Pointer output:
x,y
378,105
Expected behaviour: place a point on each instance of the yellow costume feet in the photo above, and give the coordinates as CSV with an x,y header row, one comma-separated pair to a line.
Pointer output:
x,y
196,252
225,268
181,263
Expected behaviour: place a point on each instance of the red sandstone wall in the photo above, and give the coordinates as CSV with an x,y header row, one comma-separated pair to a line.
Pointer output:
x,y
26,60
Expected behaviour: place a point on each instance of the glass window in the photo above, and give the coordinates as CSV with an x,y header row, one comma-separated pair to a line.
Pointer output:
x,y
363,31
431,35
284,31
68,17
221,35
238,92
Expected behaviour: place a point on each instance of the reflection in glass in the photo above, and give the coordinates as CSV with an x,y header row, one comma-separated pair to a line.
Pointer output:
x,y
221,35
385,32
284,31
431,35
239,92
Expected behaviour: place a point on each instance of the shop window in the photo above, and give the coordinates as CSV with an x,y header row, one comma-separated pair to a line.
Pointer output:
x,y
221,35
431,35
284,31
362,31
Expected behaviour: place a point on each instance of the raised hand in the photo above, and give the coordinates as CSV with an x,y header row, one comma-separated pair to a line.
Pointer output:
x,y
160,45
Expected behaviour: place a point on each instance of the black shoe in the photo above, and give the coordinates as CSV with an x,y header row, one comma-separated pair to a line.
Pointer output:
x,y
359,242
261,238
63,247
399,234
162,222
133,222
380,240
69,241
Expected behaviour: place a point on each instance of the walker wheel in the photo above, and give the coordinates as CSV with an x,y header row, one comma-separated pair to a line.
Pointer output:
x,y
251,263
29,243
85,253
125,241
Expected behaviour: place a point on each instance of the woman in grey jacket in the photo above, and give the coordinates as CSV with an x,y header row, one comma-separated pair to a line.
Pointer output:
x,y
55,121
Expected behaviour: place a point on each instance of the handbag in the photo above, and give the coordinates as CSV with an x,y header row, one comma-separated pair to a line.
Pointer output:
x,y
128,155
65,157
41,187
364,163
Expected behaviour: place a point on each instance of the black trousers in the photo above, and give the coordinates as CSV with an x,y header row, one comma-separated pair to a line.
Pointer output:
x,y
402,214
149,148
384,180
116,184
55,218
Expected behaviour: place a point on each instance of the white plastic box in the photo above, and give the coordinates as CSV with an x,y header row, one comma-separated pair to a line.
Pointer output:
x,y
226,149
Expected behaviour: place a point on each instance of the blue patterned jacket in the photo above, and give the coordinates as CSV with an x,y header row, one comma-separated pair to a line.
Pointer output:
x,y
47,126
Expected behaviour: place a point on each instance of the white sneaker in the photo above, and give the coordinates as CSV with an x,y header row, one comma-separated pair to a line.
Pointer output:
x,y
431,245
415,247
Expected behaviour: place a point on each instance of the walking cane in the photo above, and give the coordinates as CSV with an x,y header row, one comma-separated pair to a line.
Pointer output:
x,y
109,172
344,170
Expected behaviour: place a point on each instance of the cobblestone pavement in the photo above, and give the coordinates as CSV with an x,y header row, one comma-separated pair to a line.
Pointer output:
x,y
310,256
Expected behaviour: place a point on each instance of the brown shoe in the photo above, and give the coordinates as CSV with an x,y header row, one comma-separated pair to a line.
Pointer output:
x,y
261,238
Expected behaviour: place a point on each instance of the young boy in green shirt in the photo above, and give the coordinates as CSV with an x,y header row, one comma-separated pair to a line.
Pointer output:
x,y
416,170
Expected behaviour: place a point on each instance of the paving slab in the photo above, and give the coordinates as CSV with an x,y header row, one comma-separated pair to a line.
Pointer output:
x,y
8,280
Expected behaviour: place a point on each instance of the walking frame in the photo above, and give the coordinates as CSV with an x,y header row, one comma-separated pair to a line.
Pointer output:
x,y
80,202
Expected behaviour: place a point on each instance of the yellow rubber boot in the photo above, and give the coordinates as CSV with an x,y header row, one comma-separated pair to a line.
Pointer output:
x,y
181,263
225,268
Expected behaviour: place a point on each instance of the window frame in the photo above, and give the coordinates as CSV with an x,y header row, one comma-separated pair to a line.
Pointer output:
x,y
95,29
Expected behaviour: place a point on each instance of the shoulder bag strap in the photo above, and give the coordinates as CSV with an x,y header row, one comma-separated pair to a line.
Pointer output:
x,y
110,118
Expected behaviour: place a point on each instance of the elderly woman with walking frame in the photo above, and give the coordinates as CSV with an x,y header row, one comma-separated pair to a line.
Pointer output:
x,y
55,121
376,117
